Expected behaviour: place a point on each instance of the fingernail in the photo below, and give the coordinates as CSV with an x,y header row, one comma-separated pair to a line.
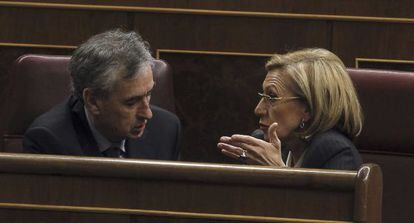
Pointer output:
x,y
225,138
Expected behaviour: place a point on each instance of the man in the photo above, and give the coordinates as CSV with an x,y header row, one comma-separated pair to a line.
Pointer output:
x,y
109,112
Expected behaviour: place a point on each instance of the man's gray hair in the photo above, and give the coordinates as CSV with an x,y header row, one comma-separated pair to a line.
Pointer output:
x,y
97,63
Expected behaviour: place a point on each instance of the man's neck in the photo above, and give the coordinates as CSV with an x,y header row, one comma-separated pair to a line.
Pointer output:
x,y
102,141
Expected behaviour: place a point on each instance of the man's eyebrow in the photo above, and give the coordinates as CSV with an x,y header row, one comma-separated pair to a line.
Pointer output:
x,y
138,97
134,98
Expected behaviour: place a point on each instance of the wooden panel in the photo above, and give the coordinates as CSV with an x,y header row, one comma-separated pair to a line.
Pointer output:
x,y
398,194
378,8
160,194
384,64
52,26
71,187
372,40
221,33
215,96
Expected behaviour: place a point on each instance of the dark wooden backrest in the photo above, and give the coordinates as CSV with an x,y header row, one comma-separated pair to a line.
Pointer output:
x,y
38,82
45,188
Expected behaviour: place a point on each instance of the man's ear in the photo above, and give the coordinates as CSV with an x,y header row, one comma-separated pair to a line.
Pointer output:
x,y
91,102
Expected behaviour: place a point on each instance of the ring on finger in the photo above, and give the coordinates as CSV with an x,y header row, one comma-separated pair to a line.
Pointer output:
x,y
243,156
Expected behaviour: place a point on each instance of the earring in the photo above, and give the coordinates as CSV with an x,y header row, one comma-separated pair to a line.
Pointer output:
x,y
302,124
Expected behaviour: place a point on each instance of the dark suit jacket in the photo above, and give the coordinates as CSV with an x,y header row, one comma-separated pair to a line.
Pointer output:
x,y
331,150
64,130
328,150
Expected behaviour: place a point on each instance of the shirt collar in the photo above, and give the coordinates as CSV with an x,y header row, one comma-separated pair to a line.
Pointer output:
x,y
103,143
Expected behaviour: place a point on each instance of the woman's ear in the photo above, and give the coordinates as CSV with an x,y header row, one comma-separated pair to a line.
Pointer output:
x,y
91,102
306,114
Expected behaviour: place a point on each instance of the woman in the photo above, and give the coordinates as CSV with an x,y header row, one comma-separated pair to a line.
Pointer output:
x,y
308,106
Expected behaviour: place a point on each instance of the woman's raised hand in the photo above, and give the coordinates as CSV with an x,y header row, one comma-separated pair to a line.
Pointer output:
x,y
253,151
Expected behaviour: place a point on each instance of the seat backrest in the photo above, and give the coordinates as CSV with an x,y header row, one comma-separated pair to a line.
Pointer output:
x,y
387,138
38,82
387,100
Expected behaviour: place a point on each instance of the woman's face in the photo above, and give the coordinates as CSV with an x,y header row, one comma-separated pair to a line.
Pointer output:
x,y
288,112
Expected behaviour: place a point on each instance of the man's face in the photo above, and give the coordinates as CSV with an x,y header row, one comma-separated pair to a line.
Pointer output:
x,y
124,113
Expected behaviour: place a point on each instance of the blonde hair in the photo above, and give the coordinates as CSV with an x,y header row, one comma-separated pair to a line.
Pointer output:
x,y
319,78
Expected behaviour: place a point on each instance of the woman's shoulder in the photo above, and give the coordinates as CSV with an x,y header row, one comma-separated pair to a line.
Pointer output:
x,y
333,149
331,137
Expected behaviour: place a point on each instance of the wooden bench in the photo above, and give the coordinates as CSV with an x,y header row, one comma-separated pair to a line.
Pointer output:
x,y
45,188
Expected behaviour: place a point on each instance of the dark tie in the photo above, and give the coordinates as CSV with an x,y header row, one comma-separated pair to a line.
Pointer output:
x,y
114,152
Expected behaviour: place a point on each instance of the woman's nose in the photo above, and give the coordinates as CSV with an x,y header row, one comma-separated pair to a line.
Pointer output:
x,y
260,109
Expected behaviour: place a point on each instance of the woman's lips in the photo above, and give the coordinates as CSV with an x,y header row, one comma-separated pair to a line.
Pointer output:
x,y
264,127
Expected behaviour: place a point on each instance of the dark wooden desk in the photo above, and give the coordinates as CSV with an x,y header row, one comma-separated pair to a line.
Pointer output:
x,y
44,188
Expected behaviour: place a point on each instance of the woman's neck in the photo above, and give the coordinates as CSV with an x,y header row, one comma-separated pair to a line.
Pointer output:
x,y
297,146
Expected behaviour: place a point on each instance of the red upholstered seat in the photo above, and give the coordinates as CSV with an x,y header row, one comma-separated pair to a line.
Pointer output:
x,y
38,82
387,100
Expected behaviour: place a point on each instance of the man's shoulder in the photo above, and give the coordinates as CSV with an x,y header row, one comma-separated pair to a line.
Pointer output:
x,y
52,132
56,118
